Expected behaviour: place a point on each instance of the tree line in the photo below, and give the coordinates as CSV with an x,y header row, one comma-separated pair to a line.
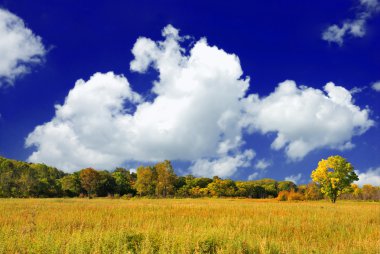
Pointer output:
x,y
21,179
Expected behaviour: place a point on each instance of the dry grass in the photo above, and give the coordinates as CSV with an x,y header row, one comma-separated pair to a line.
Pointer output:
x,y
187,226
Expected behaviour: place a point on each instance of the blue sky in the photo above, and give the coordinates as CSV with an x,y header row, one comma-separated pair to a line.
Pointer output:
x,y
202,112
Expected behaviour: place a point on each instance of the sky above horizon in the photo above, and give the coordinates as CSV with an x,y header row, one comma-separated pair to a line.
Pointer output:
x,y
242,90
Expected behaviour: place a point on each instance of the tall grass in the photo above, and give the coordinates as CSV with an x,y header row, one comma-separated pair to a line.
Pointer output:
x,y
187,226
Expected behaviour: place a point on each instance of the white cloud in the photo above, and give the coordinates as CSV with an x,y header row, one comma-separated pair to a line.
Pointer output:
x,y
262,164
19,47
306,119
356,27
186,121
294,178
224,166
376,86
253,176
372,176
356,90
370,3
199,114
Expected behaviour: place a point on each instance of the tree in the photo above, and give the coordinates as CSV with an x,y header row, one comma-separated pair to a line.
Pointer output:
x,y
123,181
107,184
89,179
222,188
71,184
370,192
270,186
146,181
286,185
312,192
165,178
334,176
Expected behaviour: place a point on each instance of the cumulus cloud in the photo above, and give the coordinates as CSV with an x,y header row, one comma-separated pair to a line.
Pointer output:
x,y
356,27
19,48
376,86
306,119
193,117
372,176
199,114
294,178
262,164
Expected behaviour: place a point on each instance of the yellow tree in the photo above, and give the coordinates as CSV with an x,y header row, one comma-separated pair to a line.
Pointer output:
x,y
146,181
165,178
335,176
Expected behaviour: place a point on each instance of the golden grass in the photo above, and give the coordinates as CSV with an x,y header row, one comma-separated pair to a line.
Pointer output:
x,y
187,226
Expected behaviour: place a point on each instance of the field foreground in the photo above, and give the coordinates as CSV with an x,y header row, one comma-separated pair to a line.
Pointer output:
x,y
187,226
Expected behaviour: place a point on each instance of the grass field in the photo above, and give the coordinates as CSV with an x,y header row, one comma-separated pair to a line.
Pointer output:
x,y
187,226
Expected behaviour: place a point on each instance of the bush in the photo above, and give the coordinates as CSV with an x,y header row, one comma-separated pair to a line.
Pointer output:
x,y
283,195
295,196
289,195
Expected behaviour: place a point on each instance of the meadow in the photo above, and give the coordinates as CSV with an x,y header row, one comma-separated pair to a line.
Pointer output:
x,y
187,226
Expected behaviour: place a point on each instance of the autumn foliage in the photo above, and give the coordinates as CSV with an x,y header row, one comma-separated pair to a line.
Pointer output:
x,y
20,179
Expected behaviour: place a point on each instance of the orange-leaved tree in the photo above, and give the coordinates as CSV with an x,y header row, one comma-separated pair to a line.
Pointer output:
x,y
89,179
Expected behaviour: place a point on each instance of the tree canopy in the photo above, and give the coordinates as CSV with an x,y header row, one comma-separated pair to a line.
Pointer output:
x,y
335,176
21,179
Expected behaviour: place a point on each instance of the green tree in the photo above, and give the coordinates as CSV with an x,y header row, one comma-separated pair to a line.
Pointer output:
x,y
222,188
123,181
70,184
107,184
334,176
286,185
270,187
249,189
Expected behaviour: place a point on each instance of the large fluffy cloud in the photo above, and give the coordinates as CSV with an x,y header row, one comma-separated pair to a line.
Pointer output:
x,y
19,47
194,116
199,113
305,118
355,27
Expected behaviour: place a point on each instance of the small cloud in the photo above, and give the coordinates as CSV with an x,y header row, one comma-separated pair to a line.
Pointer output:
x,y
262,164
294,178
376,86
223,166
355,27
356,89
372,176
253,176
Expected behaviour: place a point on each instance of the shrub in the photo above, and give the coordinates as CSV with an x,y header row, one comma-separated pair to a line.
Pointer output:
x,y
295,196
283,195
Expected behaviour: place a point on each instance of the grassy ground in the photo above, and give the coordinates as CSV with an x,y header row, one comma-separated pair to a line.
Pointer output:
x,y
187,226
